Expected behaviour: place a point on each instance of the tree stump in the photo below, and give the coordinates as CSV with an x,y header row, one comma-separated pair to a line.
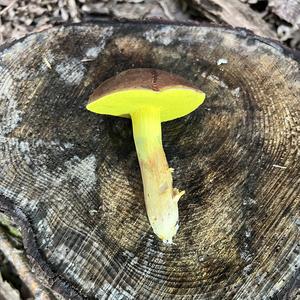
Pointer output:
x,y
71,178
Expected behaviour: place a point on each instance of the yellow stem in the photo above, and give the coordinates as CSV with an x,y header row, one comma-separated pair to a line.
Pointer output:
x,y
160,197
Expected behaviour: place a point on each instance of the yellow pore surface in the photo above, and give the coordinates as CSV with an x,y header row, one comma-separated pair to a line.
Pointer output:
x,y
172,102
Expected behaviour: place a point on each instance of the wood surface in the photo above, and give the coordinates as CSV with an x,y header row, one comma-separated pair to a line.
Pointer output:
x,y
71,178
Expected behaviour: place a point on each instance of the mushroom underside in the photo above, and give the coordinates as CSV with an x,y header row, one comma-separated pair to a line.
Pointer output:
x,y
72,181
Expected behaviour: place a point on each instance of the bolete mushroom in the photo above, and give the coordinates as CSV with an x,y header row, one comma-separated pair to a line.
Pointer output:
x,y
149,97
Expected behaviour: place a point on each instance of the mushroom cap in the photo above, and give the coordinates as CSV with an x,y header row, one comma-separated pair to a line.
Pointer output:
x,y
132,89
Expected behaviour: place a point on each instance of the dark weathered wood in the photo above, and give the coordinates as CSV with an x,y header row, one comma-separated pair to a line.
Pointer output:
x,y
234,13
71,178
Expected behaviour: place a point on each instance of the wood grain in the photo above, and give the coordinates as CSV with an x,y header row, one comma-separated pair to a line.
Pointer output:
x,y
71,178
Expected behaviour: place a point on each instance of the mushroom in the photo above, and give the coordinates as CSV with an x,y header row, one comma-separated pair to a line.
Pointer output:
x,y
149,97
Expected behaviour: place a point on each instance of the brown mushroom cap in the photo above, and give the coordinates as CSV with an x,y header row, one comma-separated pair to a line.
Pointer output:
x,y
145,78
134,89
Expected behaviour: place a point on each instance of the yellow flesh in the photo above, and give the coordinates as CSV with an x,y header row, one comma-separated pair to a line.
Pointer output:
x,y
160,197
148,109
173,102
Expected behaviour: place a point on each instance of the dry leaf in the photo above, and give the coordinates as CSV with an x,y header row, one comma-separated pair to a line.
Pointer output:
x,y
97,8
5,2
7,292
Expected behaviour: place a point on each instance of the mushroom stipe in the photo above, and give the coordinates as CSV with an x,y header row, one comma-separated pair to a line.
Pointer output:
x,y
149,97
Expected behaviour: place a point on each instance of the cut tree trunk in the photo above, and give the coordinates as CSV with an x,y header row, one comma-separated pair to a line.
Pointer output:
x,y
71,178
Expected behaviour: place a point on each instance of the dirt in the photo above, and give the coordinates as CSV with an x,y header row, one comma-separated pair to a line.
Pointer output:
x,y
20,17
